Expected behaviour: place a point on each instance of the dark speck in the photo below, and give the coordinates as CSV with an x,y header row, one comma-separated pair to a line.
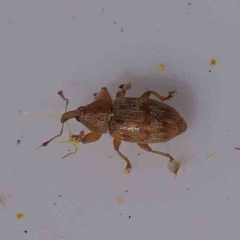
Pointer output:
x,y
114,22
59,195
129,216
55,203
120,213
227,130
227,199
188,189
25,231
209,71
10,22
126,190
19,111
110,156
188,13
138,154
18,141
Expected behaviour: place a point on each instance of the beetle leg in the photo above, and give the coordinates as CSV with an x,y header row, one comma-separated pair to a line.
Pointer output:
x,y
149,149
160,97
81,137
116,144
103,95
124,88
91,137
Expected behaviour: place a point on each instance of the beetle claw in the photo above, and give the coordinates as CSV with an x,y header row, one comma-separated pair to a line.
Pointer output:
x,y
127,170
171,94
174,166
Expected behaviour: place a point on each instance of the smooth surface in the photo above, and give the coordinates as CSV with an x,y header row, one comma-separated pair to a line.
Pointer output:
x,y
81,46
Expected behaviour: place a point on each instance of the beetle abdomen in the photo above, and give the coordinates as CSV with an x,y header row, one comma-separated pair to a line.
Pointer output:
x,y
144,120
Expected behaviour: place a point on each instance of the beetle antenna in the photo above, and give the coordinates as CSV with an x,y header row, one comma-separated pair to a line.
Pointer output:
x,y
60,93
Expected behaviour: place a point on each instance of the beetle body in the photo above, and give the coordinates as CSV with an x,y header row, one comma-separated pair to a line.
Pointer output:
x,y
143,120
139,120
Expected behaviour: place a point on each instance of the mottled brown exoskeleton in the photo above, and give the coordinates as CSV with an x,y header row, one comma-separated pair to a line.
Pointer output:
x,y
138,120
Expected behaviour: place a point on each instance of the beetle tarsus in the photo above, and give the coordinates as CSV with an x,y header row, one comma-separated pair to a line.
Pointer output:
x,y
124,88
170,95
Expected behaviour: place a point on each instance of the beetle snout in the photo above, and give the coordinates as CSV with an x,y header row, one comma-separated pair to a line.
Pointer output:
x,y
69,115
63,118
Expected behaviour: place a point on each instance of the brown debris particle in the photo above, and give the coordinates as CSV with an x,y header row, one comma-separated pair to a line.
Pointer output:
x,y
18,141
119,200
19,216
213,62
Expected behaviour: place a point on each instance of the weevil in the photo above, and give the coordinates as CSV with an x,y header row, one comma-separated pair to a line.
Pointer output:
x,y
140,120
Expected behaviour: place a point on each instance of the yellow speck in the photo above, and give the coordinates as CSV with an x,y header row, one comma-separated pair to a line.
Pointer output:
x,y
213,62
211,155
73,139
127,170
19,216
119,200
161,68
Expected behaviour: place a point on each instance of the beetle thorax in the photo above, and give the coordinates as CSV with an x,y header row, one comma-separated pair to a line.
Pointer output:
x,y
96,115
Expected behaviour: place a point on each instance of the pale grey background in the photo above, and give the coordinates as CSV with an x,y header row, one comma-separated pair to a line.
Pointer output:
x,y
75,46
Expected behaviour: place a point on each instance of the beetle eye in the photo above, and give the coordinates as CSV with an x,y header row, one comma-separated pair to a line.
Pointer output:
x,y
77,118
